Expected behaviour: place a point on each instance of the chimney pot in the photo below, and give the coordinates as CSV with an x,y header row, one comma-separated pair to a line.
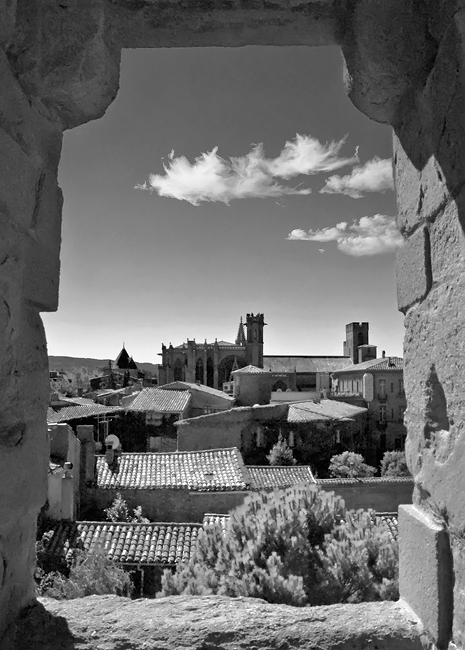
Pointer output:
x,y
384,354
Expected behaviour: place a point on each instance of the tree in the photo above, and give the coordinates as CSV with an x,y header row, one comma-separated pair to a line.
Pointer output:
x,y
297,546
281,454
91,572
119,511
394,463
350,465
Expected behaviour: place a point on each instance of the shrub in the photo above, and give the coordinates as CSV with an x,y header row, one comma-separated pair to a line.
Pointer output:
x,y
350,465
119,511
91,572
296,546
394,463
281,454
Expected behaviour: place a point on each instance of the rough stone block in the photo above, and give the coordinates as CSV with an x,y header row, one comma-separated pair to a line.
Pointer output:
x,y
447,245
413,270
18,181
425,572
41,273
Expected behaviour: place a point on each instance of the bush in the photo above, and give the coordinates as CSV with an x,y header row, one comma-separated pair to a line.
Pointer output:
x,y
90,573
297,546
394,463
281,454
119,511
350,465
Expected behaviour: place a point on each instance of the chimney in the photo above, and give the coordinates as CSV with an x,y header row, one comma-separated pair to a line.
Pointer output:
x,y
68,505
85,434
384,354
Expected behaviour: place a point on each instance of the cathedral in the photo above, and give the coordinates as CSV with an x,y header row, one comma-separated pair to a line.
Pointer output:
x,y
211,364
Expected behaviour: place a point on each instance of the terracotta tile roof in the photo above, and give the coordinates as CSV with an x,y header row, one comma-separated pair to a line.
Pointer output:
x,y
201,388
391,521
160,400
304,364
384,363
250,370
278,477
209,470
211,519
325,409
357,481
80,411
127,543
55,468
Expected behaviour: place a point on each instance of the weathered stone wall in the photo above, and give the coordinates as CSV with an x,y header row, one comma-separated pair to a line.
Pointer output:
x,y
234,428
404,66
430,173
181,506
377,494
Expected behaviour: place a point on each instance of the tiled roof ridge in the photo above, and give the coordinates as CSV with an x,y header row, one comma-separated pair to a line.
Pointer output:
x,y
243,468
138,523
170,453
365,479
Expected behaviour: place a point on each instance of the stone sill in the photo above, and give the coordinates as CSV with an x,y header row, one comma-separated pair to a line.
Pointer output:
x,y
213,622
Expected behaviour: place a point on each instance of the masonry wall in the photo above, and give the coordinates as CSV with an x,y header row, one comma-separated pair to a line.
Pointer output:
x,y
381,496
234,428
404,66
181,506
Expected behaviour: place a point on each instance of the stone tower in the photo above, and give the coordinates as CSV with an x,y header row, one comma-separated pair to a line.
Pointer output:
x,y
356,335
254,343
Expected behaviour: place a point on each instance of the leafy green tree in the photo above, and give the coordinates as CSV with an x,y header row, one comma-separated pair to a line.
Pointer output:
x,y
119,511
297,546
350,465
394,463
281,454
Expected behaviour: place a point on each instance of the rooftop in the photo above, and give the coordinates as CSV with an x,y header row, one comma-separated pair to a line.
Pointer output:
x,y
250,370
160,400
186,385
383,363
325,409
264,477
127,543
358,481
210,470
303,364
79,411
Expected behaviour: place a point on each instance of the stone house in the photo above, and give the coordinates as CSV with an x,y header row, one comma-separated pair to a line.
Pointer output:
x,y
379,385
174,486
63,473
313,429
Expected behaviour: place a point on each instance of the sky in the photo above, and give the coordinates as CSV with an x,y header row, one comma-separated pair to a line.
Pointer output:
x,y
226,227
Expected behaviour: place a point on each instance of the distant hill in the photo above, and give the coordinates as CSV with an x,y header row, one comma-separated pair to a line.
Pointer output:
x,y
91,367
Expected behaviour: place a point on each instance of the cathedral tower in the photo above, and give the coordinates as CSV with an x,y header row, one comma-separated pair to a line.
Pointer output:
x,y
356,335
254,344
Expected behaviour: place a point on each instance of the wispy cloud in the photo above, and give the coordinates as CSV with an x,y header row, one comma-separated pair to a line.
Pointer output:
x,y
212,178
369,236
374,176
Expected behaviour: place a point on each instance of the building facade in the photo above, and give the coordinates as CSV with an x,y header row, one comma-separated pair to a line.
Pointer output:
x,y
211,364
378,384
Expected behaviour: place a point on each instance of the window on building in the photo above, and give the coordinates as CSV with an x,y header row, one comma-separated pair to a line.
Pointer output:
x,y
401,385
392,386
382,387
382,413
392,414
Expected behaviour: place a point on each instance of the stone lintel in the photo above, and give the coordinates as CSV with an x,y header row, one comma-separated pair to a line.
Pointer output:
x,y
426,572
